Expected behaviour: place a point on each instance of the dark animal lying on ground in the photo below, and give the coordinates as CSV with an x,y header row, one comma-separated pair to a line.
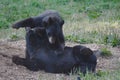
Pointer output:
x,y
72,57
77,56
42,48
50,26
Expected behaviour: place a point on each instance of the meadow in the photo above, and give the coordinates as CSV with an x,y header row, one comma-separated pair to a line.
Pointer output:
x,y
86,21
95,21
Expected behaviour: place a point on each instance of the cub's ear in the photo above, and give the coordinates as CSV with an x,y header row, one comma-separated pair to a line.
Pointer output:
x,y
47,21
29,22
81,50
86,51
62,22
50,20
44,23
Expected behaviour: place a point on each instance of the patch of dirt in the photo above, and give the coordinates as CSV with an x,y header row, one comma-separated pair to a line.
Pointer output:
x,y
11,71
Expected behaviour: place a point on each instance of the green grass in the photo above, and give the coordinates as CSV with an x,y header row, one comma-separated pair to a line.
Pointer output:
x,y
12,34
100,75
103,75
105,52
86,21
12,10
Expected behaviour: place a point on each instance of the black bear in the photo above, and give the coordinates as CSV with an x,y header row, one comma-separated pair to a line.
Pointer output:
x,y
45,38
48,24
45,57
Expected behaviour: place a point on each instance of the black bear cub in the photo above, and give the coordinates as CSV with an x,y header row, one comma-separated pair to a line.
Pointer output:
x,y
45,39
47,25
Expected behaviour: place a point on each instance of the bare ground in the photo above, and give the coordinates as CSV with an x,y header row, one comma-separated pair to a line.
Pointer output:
x,y
10,71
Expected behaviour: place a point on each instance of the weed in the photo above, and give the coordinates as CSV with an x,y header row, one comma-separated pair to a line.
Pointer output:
x,y
105,52
93,14
100,73
71,38
14,37
113,39
77,39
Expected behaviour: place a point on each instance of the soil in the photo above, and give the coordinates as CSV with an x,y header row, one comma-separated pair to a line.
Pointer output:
x,y
11,71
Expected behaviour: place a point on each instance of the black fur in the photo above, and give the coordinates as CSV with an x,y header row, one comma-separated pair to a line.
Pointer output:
x,y
46,52
48,59
49,20
48,24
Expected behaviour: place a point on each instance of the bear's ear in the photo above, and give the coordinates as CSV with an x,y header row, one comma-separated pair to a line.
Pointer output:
x,y
50,20
44,23
62,22
47,21
29,22
86,51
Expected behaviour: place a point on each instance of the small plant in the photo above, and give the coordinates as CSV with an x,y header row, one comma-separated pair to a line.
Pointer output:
x,y
93,14
113,39
105,39
77,39
71,38
105,52
14,37
100,73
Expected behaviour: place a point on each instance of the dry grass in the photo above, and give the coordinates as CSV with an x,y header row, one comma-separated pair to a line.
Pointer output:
x,y
10,33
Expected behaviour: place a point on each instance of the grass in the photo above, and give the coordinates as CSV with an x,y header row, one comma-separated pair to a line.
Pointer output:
x,y
89,32
105,52
86,21
12,34
100,75
103,75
